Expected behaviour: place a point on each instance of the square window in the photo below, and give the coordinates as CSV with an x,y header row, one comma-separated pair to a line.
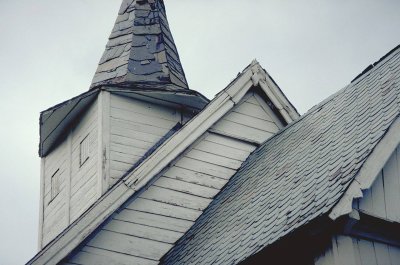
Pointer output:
x,y
84,150
55,184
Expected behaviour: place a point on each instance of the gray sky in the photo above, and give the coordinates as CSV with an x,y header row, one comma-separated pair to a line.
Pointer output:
x,y
49,50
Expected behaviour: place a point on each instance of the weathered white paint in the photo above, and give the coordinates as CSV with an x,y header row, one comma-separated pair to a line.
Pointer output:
x,y
170,205
84,177
383,198
77,186
153,165
249,121
135,126
354,251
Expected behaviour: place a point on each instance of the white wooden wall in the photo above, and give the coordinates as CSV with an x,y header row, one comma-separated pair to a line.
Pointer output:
x,y
252,120
54,211
135,127
78,182
383,199
346,250
149,226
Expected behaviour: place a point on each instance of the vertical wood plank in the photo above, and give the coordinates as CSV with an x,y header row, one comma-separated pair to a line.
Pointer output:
x,y
366,202
394,253
326,258
345,251
41,205
367,252
378,197
382,254
104,141
392,187
68,180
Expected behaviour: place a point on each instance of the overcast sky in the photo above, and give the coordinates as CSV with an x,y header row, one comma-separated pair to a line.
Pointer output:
x,y
49,50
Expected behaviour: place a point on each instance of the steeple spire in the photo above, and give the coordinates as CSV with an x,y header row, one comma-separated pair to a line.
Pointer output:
x,y
141,52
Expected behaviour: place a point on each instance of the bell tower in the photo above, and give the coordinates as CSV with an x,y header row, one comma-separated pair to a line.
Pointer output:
x,y
139,95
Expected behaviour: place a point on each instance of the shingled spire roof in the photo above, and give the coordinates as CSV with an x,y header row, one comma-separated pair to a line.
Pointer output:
x,y
141,52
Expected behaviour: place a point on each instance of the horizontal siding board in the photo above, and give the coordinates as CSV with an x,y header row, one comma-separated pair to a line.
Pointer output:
x,y
229,142
96,256
129,245
144,128
253,110
241,131
125,158
146,108
206,168
143,231
175,198
130,142
222,150
214,159
120,166
195,177
154,220
146,137
186,187
115,175
252,122
128,150
168,210
141,118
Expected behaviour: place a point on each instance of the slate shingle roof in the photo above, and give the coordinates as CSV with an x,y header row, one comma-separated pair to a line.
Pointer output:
x,y
297,175
141,50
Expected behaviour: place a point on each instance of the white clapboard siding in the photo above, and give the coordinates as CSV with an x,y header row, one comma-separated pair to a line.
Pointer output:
x,y
77,180
135,127
97,256
170,206
84,176
54,209
149,226
251,120
354,251
382,199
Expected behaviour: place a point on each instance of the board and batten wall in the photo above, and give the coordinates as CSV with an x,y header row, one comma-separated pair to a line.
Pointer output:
x,y
77,180
383,198
346,250
149,226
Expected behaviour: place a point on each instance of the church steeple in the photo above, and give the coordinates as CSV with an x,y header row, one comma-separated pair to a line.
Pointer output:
x,y
141,52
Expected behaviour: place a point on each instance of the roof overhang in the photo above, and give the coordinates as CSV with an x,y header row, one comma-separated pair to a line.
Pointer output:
x,y
55,122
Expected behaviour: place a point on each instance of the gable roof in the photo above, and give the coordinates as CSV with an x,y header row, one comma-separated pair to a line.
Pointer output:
x,y
299,174
141,50
123,190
